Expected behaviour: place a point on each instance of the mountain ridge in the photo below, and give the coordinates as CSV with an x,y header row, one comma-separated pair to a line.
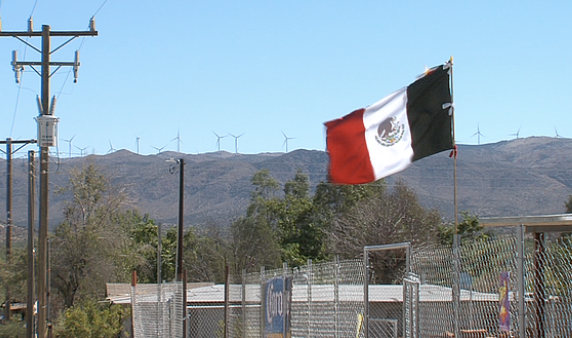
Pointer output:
x,y
529,176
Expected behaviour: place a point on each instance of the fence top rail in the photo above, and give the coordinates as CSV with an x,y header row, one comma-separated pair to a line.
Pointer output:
x,y
547,222
403,245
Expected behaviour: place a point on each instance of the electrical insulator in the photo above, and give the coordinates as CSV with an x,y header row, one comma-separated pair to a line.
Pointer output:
x,y
39,101
17,68
76,66
30,24
53,106
92,24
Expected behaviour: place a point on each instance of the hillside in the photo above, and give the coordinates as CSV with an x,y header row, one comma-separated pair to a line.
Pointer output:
x,y
528,176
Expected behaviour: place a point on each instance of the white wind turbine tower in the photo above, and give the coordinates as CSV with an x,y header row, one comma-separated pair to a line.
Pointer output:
x,y
478,134
111,149
159,149
81,150
218,140
286,138
137,142
236,142
70,145
178,139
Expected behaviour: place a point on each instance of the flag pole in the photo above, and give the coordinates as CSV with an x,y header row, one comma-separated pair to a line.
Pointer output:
x,y
454,153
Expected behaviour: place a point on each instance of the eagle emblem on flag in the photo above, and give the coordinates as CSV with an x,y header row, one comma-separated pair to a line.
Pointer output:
x,y
389,132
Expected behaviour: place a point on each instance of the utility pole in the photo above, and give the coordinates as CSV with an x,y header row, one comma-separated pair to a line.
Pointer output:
x,y
30,324
181,221
9,152
45,141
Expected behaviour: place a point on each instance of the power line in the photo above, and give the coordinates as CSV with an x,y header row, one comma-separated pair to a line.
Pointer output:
x,y
34,9
100,7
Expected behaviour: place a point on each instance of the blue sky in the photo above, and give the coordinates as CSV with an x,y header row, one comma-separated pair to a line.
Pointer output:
x,y
263,68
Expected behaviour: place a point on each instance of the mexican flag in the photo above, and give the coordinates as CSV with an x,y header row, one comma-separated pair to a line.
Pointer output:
x,y
385,138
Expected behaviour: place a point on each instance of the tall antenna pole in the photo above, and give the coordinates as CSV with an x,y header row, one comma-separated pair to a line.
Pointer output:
x,y
45,109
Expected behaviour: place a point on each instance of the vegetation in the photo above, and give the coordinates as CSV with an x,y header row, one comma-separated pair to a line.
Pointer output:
x,y
101,241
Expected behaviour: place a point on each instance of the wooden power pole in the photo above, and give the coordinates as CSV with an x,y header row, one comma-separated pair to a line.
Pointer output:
x,y
46,110
9,142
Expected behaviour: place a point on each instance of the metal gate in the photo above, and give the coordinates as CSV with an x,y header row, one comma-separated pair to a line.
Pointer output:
x,y
387,326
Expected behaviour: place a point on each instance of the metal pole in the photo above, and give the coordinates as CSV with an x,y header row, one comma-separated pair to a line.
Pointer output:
x,y
521,281
185,303
539,288
456,286
310,277
284,274
181,216
159,278
31,221
44,158
7,308
262,300
226,298
366,293
336,296
243,303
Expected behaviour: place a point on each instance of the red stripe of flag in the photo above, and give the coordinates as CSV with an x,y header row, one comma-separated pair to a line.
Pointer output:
x,y
349,156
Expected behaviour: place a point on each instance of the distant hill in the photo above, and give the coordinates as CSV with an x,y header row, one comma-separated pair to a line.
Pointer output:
x,y
530,176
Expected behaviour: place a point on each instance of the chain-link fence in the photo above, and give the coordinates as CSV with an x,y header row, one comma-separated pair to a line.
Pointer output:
x,y
499,283
157,313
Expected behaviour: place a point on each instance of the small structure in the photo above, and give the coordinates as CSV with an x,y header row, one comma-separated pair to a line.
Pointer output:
x,y
537,226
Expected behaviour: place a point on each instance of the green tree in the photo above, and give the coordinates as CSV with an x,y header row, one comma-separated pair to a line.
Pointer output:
x,y
90,319
14,274
144,246
206,255
384,218
470,229
568,205
294,230
91,241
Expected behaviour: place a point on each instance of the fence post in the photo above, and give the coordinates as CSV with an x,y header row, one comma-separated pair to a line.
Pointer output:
x,y
226,298
520,291
336,294
262,298
284,301
133,300
366,292
310,277
456,278
244,303
185,281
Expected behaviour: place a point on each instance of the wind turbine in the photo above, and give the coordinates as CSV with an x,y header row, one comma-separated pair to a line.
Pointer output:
x,y
178,139
137,142
81,150
111,149
159,149
517,133
218,140
286,138
236,142
70,144
478,133
556,132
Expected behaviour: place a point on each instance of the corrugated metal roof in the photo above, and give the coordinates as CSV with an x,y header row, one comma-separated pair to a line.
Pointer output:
x,y
319,293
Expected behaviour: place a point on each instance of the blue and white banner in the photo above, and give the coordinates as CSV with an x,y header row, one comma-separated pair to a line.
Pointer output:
x,y
277,301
